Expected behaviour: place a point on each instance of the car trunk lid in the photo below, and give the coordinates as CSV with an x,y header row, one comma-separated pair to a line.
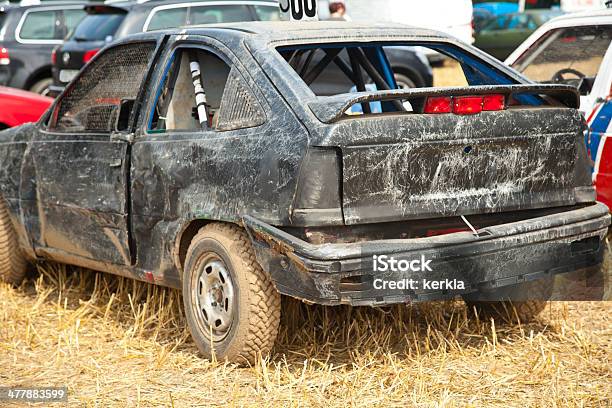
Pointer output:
x,y
407,166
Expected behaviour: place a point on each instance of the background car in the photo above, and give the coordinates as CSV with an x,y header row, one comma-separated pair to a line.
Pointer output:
x,y
116,19
502,34
27,37
577,50
18,107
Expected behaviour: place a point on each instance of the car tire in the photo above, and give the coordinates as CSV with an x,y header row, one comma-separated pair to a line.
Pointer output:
x,y
526,310
231,304
404,81
13,264
42,86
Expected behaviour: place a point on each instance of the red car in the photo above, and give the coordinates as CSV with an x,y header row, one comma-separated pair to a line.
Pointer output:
x,y
18,107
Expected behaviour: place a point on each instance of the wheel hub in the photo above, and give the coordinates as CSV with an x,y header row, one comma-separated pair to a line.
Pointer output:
x,y
215,298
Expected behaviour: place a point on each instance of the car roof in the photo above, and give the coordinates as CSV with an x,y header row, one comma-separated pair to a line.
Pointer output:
x,y
274,31
131,3
57,4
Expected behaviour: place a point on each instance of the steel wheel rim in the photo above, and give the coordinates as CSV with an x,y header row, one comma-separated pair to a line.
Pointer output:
x,y
215,299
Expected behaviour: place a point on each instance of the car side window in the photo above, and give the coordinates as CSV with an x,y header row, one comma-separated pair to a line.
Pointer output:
x,y
72,18
202,92
41,25
113,80
167,18
219,14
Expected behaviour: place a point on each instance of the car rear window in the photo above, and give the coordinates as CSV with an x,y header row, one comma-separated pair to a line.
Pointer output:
x,y
97,27
40,25
578,48
324,67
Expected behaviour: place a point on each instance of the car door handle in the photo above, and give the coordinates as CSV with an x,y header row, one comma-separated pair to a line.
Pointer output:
x,y
116,163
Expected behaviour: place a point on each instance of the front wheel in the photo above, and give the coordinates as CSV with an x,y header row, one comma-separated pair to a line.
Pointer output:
x,y
231,305
12,262
42,86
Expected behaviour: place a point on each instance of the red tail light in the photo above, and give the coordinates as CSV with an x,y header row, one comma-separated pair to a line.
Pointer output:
x,y
465,105
442,104
493,102
4,56
89,55
54,56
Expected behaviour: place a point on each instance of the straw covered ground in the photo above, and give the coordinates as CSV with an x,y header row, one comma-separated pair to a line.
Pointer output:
x,y
116,342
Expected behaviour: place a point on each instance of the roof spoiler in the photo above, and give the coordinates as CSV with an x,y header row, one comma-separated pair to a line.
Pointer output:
x,y
329,109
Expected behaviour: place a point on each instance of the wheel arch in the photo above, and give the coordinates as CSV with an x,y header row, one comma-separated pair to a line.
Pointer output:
x,y
40,73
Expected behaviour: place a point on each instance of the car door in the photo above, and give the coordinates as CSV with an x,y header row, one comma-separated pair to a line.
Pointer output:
x,y
81,159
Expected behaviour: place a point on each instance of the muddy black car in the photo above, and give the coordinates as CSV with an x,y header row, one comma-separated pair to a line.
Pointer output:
x,y
203,159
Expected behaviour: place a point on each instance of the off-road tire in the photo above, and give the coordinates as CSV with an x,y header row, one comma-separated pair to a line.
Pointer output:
x,y
13,264
525,310
257,304
41,86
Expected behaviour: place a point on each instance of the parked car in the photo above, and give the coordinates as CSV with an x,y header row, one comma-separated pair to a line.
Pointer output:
x,y
503,34
27,37
204,159
18,107
116,19
576,50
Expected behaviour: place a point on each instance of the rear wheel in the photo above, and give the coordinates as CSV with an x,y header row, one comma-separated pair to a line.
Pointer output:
x,y
502,302
231,305
42,86
404,81
12,262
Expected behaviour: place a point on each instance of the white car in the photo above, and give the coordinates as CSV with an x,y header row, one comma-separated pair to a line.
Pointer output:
x,y
577,49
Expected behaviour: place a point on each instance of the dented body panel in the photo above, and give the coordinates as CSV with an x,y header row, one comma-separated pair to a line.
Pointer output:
x,y
130,203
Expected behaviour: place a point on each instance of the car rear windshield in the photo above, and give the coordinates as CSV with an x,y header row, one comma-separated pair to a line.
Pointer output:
x,y
328,69
332,71
580,49
97,27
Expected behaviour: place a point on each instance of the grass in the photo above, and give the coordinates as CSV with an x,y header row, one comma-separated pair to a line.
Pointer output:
x,y
117,342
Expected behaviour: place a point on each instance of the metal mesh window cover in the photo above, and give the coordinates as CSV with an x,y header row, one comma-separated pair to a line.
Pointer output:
x,y
239,108
92,104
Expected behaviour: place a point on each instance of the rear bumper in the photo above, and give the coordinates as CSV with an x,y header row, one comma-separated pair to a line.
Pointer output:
x,y
498,256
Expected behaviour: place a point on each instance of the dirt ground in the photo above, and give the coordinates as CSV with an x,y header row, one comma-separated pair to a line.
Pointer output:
x,y
118,343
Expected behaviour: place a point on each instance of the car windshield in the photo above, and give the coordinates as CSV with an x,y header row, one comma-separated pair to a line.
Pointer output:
x,y
97,27
577,51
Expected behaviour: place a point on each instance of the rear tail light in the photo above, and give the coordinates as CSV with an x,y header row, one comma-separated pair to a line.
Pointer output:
x,y
467,105
438,104
54,56
493,102
4,56
89,55
464,105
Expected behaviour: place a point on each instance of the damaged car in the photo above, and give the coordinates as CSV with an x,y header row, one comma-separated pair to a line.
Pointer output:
x,y
204,159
